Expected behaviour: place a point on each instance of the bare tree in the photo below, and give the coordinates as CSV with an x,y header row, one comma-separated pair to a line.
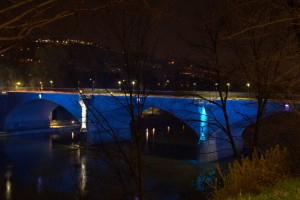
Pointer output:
x,y
212,54
128,28
266,54
19,19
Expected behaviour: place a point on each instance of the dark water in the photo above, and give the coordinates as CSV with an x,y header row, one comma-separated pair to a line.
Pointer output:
x,y
42,166
52,166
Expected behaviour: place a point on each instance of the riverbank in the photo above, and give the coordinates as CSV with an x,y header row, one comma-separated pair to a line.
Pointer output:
x,y
40,131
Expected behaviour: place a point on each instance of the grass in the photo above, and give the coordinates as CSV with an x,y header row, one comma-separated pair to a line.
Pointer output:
x,y
285,190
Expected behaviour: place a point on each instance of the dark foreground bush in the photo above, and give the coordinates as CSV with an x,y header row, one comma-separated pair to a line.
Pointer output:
x,y
251,176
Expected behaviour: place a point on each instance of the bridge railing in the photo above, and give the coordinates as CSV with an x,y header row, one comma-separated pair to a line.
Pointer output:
x,y
114,91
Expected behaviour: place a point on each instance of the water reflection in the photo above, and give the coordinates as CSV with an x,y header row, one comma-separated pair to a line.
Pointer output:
x,y
72,135
8,190
153,134
82,179
42,164
56,164
147,140
166,138
8,187
39,185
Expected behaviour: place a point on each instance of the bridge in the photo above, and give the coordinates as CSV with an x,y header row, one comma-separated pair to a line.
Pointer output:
x,y
101,113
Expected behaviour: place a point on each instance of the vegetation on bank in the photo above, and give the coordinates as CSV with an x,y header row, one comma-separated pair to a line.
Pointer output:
x,y
273,174
251,176
284,190
247,178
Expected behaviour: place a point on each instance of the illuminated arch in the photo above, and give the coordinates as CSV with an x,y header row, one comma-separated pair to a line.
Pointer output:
x,y
32,114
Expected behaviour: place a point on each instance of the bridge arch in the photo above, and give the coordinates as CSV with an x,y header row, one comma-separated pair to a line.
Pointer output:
x,y
164,113
32,114
161,113
166,135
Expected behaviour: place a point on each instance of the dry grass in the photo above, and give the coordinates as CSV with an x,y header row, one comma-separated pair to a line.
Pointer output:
x,y
251,176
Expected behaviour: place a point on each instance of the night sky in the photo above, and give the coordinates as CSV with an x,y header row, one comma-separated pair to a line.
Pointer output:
x,y
173,28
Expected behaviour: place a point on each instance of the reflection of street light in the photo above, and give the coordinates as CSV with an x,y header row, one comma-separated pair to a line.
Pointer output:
x,y
51,84
248,85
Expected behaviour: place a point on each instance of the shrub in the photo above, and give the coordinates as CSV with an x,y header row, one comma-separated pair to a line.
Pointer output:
x,y
251,176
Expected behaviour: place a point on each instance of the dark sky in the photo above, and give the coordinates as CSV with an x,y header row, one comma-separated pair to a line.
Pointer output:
x,y
174,26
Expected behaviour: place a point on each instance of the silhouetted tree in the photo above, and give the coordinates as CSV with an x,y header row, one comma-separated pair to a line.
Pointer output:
x,y
213,54
266,53
128,28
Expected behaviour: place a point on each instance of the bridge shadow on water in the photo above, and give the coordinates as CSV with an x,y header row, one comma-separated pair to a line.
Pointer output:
x,y
166,136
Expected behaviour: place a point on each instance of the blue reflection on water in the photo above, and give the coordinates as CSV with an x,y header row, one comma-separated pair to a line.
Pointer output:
x,y
36,164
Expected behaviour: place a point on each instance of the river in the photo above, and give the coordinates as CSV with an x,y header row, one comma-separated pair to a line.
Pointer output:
x,y
53,166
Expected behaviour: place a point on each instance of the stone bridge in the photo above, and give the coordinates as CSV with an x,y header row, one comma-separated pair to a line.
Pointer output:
x,y
104,114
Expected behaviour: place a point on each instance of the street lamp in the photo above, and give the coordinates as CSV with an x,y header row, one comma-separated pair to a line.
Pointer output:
x,y
216,84
194,84
248,85
41,85
133,83
51,84
92,83
17,85
119,82
228,85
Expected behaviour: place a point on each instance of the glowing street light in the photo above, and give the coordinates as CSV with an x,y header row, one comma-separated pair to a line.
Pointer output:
x,y
216,84
248,85
51,84
41,85
228,85
194,86
17,84
133,83
119,83
93,84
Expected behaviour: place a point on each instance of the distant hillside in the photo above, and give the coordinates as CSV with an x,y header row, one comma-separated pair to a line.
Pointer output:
x,y
72,63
